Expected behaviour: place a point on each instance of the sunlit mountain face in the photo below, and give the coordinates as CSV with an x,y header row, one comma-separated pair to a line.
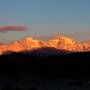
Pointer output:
x,y
59,42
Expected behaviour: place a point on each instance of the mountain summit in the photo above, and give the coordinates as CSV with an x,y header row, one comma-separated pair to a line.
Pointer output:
x,y
60,43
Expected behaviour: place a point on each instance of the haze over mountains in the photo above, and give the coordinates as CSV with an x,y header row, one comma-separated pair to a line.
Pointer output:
x,y
60,43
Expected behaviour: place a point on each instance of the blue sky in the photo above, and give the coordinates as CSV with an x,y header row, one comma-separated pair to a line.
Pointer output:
x,y
45,17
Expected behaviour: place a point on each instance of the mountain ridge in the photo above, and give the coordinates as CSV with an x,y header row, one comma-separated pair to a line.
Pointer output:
x,y
60,42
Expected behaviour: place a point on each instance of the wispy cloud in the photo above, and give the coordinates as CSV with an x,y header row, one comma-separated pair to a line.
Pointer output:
x,y
12,28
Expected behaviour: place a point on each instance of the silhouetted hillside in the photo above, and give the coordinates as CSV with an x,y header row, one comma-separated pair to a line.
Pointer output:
x,y
46,63
49,62
46,51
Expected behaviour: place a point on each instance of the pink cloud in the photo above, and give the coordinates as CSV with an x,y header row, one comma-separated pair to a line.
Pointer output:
x,y
12,28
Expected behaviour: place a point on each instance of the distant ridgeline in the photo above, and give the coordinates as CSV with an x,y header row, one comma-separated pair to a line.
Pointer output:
x,y
60,43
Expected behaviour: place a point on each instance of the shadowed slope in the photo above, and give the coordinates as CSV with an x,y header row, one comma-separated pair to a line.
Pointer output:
x,y
58,65
46,51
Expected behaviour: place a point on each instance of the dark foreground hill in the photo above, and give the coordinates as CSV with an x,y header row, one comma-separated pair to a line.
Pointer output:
x,y
48,62
38,64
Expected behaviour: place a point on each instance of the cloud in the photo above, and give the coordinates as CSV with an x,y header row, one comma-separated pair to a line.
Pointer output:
x,y
13,28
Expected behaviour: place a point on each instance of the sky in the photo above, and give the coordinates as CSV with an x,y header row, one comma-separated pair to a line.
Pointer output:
x,y
46,18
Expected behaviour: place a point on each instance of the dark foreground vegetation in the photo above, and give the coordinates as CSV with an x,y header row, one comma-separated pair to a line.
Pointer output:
x,y
32,67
